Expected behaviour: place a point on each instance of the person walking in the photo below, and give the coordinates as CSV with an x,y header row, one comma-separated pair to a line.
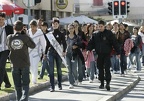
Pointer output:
x,y
53,55
135,51
141,33
36,53
5,30
102,42
45,62
71,58
90,59
114,60
18,44
81,61
122,36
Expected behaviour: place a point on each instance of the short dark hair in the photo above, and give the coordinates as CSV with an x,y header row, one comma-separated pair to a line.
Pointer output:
x,y
45,24
33,22
125,25
2,14
55,19
136,28
76,22
101,22
18,25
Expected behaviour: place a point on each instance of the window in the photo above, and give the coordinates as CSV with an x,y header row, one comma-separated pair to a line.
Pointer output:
x,y
77,8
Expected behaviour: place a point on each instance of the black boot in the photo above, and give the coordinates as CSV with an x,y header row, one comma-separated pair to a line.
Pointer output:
x,y
7,85
107,86
101,85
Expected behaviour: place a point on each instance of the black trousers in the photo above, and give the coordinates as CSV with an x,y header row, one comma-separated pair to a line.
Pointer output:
x,y
104,64
3,73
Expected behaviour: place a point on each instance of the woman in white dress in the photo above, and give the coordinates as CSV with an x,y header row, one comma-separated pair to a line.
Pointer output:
x,y
36,53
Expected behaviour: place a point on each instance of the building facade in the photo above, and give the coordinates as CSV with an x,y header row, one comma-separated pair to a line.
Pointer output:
x,y
44,10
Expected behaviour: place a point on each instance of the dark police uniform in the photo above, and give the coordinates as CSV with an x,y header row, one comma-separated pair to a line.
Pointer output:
x,y
103,42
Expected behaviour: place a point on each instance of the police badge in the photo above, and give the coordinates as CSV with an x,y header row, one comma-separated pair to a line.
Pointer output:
x,y
104,38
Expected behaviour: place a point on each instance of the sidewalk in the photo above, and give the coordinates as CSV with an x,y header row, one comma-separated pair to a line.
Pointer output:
x,y
84,92
136,94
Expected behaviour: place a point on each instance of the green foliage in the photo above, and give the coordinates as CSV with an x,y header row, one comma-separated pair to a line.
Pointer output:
x,y
6,91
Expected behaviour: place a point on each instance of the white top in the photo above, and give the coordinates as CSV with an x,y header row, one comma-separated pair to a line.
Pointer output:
x,y
3,44
142,36
39,40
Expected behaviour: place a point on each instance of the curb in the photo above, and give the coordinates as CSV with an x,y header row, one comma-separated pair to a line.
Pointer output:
x,y
114,96
33,89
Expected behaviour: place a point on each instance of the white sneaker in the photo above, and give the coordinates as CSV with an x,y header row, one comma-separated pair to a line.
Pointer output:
x,y
76,83
123,75
90,81
126,72
80,83
117,72
72,60
132,66
71,86
84,79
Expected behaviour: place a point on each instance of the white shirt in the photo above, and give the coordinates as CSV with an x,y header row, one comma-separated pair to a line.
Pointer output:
x,y
39,40
3,44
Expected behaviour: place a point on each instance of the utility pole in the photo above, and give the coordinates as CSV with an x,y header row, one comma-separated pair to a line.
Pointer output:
x,y
15,15
51,9
120,18
29,11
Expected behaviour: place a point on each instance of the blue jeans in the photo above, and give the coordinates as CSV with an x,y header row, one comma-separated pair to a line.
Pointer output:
x,y
91,70
142,54
21,80
95,65
123,63
80,69
115,63
137,54
72,68
53,55
45,65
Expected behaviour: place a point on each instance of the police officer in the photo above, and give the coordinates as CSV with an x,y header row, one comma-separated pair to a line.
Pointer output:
x,y
102,42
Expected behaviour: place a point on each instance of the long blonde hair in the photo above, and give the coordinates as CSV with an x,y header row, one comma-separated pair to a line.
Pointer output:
x,y
141,28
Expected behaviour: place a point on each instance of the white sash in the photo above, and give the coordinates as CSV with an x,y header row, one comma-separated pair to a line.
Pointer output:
x,y
56,46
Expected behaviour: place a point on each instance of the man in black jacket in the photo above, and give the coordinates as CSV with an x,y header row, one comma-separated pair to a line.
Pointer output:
x,y
5,30
102,42
18,44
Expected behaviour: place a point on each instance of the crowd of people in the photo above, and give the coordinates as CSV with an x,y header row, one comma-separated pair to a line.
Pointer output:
x,y
89,50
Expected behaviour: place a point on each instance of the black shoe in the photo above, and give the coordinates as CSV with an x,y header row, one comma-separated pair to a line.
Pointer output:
x,y
101,86
52,90
60,88
107,87
40,78
7,85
